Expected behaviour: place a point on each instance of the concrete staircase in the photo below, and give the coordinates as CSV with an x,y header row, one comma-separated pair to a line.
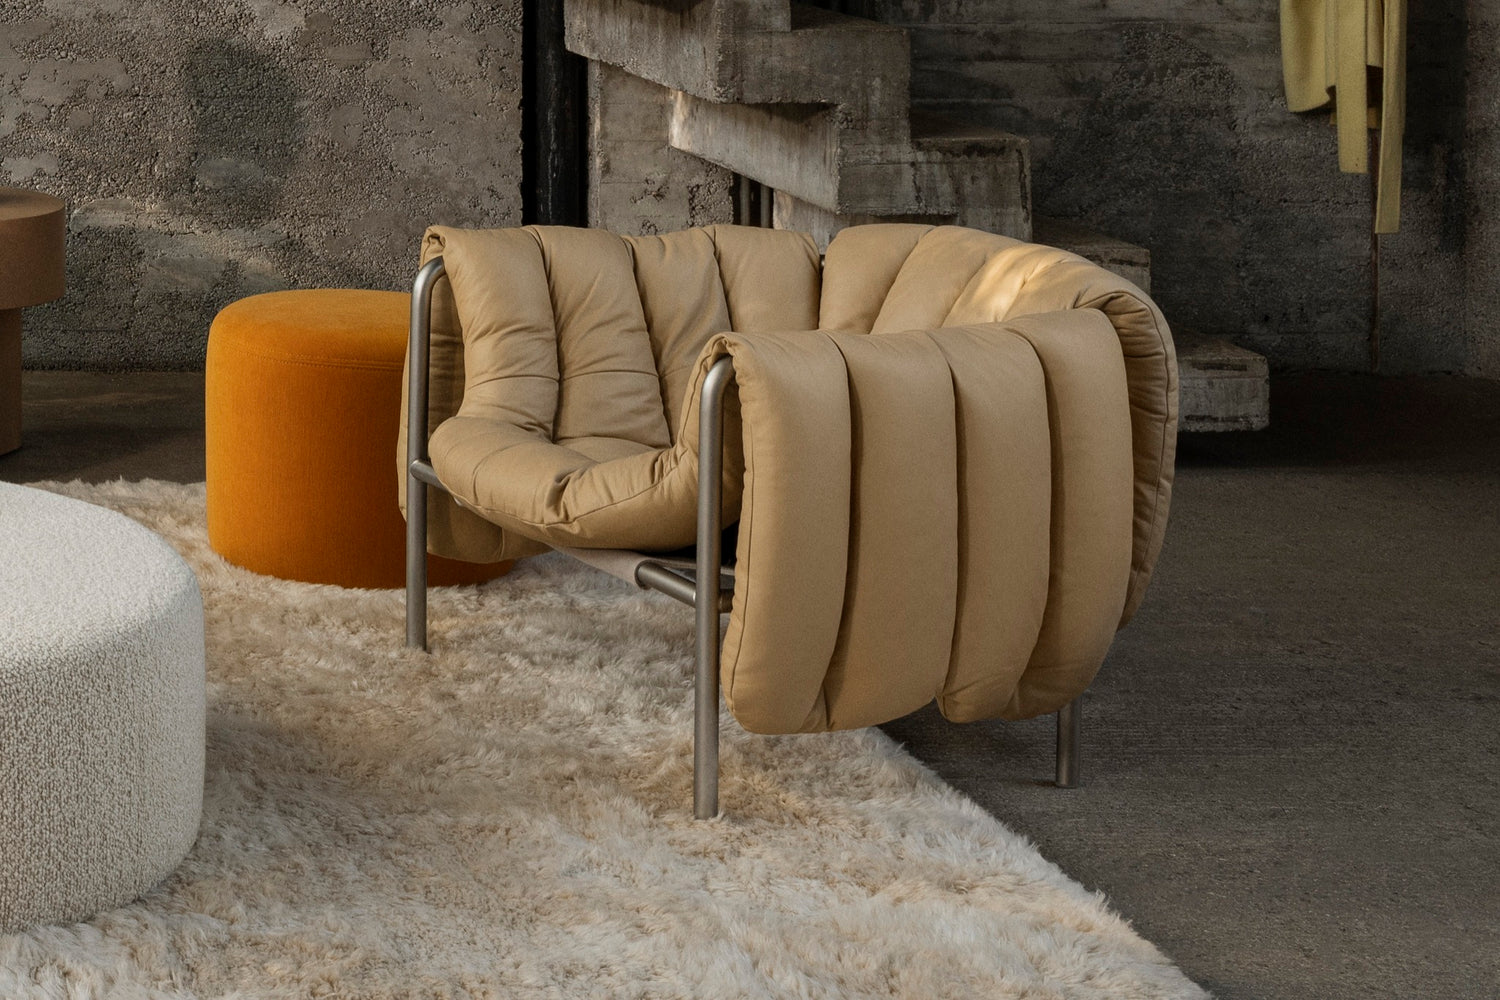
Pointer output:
x,y
815,106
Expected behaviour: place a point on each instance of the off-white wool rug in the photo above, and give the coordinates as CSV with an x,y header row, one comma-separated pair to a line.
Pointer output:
x,y
510,816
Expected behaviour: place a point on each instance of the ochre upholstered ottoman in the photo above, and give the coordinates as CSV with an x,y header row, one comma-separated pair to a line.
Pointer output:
x,y
303,402
101,708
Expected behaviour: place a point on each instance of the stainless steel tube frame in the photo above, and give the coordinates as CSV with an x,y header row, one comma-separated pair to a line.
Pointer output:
x,y
418,470
706,589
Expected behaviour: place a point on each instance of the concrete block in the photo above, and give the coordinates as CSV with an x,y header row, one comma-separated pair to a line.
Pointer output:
x,y
984,173
790,147
676,46
748,52
639,184
1223,387
818,155
1131,262
830,58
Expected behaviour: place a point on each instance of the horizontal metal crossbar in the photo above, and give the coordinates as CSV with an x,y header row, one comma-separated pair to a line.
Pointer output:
x,y
424,472
681,585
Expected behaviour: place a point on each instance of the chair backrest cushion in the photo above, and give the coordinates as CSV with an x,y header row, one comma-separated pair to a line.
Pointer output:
x,y
588,339
579,333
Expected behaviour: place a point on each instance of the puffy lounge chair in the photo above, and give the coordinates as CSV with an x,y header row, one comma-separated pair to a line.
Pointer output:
x,y
948,455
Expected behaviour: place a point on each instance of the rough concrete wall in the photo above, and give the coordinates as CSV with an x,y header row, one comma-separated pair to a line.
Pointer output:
x,y
1422,268
1482,305
209,151
1163,122
638,184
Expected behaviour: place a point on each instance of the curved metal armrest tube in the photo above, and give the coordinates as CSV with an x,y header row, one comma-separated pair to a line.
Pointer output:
x,y
418,344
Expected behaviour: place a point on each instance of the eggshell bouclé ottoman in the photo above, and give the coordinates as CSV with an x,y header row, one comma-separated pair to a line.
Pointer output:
x,y
101,708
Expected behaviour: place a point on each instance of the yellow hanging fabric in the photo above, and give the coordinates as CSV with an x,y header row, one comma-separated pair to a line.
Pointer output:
x,y
1327,49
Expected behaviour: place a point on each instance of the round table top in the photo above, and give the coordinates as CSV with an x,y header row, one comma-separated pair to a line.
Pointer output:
x,y
22,203
32,227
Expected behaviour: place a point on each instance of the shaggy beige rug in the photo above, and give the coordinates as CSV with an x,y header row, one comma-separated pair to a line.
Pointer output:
x,y
511,817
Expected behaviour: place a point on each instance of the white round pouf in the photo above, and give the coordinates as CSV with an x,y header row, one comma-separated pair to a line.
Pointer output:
x,y
101,708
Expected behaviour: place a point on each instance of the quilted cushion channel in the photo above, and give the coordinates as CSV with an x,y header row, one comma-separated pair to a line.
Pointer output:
x,y
891,278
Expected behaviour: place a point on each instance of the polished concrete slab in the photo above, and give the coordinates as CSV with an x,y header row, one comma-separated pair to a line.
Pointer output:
x,y
1291,758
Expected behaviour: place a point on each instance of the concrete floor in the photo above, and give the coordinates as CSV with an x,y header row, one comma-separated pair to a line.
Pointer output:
x,y
1292,757
98,426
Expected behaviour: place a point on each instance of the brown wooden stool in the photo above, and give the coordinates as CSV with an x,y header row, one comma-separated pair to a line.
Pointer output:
x,y
31,272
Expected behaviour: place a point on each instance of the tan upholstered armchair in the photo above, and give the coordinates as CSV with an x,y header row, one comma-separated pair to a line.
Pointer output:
x,y
948,455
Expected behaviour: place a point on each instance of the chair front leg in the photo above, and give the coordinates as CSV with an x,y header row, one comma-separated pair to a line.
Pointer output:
x,y
706,590
416,563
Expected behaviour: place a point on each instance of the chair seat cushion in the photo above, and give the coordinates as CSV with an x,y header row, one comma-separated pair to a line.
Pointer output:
x,y
595,492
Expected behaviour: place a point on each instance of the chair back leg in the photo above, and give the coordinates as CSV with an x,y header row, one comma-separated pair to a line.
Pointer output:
x,y
1069,742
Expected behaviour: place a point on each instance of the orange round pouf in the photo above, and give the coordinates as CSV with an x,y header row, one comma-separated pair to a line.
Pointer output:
x,y
303,405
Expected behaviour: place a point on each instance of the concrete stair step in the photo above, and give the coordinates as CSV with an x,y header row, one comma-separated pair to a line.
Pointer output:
x,y
862,66
1131,262
683,46
741,52
818,155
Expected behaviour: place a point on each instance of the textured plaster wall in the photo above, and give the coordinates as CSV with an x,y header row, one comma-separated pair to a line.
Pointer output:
x,y
211,150
1163,122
